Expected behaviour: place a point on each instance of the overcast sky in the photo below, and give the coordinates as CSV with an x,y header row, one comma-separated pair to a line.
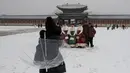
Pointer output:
x,y
41,7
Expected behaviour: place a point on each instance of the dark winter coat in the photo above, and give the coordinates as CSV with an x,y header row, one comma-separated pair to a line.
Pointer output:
x,y
91,32
51,50
86,30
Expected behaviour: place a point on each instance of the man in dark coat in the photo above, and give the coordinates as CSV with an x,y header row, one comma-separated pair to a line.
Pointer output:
x,y
91,34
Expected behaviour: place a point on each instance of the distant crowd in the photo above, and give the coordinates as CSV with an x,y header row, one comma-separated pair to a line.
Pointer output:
x,y
114,26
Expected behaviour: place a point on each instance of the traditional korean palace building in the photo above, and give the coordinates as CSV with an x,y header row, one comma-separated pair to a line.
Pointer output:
x,y
70,13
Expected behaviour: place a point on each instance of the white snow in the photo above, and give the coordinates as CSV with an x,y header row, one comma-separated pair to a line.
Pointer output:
x,y
110,54
8,28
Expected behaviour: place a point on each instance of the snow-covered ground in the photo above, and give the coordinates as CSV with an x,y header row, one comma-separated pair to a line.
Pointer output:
x,y
8,28
110,55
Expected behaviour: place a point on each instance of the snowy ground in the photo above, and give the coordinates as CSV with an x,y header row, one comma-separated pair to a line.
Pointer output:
x,y
12,30
8,28
110,55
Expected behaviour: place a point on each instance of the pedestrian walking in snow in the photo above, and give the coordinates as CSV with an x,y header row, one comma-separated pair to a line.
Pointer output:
x,y
108,26
113,27
95,25
117,26
123,27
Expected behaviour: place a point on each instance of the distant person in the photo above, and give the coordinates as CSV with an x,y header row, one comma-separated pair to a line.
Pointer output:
x,y
113,27
41,25
95,25
117,26
38,25
108,26
47,51
123,26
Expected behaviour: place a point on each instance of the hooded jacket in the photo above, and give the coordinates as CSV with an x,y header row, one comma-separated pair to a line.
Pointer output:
x,y
47,51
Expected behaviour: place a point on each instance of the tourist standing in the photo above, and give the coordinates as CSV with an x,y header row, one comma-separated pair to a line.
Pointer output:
x,y
113,27
91,34
47,53
64,33
72,38
80,37
108,26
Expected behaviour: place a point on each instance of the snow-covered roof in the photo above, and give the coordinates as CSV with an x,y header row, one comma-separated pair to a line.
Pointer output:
x,y
109,16
71,6
26,16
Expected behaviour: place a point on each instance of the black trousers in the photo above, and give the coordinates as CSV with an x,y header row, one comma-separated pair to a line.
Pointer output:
x,y
89,40
59,69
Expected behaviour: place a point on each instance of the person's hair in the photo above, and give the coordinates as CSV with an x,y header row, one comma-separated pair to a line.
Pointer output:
x,y
91,26
49,24
89,23
51,28
41,33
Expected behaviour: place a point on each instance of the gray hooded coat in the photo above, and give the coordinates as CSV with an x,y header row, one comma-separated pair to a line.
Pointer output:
x,y
47,53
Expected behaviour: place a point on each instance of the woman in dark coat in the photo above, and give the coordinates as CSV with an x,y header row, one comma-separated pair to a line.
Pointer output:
x,y
50,57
